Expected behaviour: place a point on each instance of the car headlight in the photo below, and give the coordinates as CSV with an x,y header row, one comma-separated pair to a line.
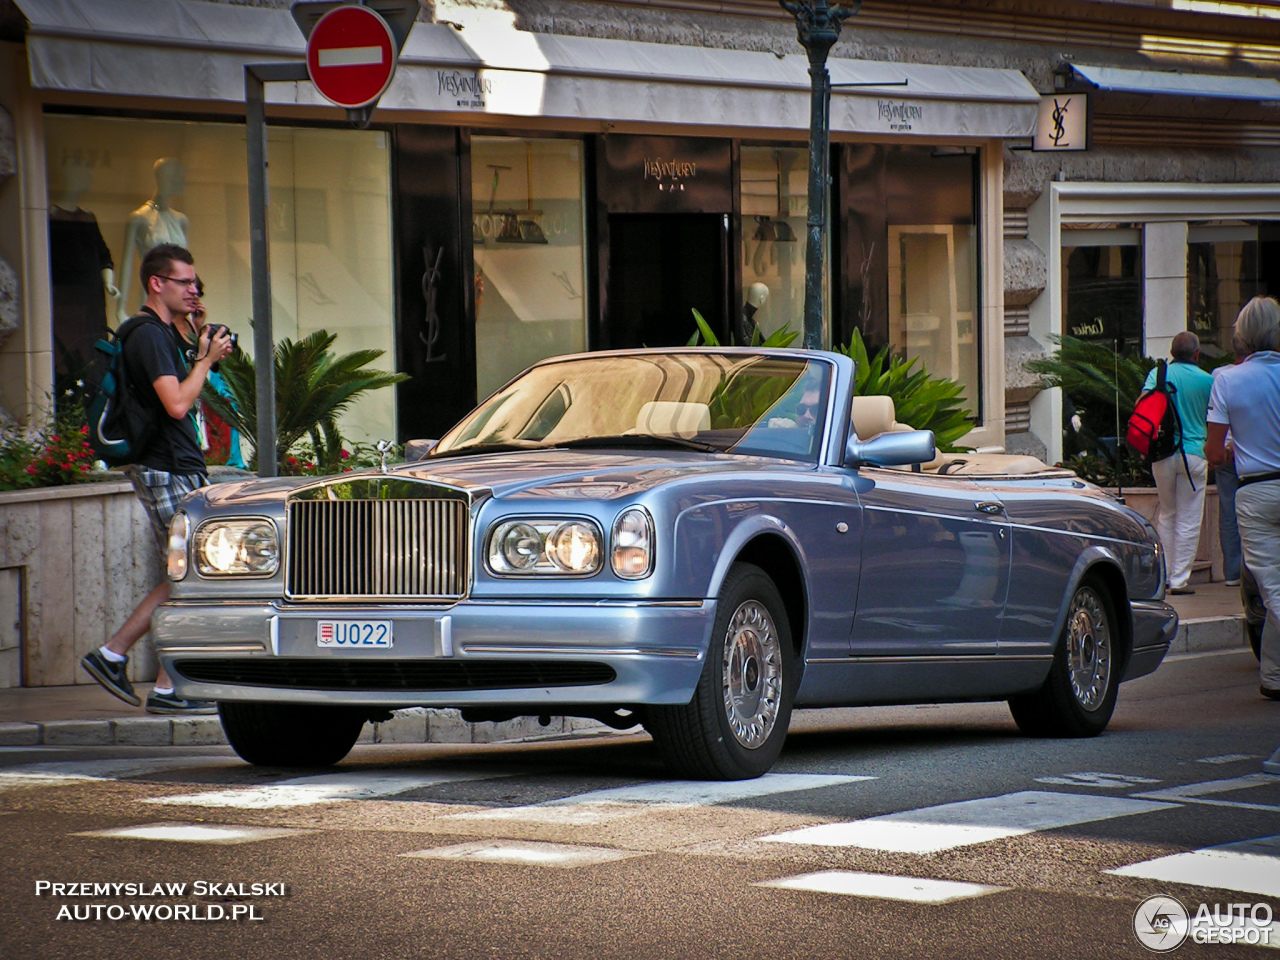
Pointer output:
x,y
179,534
237,548
632,539
545,548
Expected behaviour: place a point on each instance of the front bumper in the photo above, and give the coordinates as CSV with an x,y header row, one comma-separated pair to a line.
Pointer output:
x,y
1155,624
652,651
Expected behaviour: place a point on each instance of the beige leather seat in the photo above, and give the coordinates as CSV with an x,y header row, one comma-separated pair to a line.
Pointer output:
x,y
874,415
673,418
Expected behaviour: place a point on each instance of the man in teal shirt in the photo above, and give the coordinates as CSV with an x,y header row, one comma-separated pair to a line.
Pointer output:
x,y
1181,479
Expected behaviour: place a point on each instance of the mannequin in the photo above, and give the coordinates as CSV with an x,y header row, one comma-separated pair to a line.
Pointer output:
x,y
80,268
153,223
757,297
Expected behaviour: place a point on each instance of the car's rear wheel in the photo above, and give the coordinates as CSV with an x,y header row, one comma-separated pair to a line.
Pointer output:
x,y
1255,638
290,734
734,726
1079,695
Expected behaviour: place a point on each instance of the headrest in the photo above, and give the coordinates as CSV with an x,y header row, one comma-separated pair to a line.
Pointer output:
x,y
673,418
872,416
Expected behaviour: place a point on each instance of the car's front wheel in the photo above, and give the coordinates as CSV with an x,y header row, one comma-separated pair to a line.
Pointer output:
x,y
290,734
1079,696
734,726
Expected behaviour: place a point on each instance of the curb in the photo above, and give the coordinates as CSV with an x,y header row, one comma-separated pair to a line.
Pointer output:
x,y
414,725
1200,634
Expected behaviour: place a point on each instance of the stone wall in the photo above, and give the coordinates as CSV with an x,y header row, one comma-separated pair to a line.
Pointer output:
x,y
74,561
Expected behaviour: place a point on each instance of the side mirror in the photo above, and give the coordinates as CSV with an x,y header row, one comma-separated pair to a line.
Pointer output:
x,y
892,449
418,449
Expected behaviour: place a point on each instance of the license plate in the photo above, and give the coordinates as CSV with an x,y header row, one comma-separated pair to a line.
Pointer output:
x,y
354,634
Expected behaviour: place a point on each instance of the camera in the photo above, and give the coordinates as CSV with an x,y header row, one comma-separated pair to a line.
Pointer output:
x,y
214,330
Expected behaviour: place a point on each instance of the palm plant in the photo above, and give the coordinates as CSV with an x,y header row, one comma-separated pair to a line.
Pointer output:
x,y
920,400
1102,384
313,387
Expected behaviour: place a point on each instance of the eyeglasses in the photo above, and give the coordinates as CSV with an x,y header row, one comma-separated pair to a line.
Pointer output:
x,y
190,283
807,408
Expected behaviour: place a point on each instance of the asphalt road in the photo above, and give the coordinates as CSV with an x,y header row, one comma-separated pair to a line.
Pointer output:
x,y
903,832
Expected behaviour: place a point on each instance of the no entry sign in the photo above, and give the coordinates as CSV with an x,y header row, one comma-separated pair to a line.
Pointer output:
x,y
351,56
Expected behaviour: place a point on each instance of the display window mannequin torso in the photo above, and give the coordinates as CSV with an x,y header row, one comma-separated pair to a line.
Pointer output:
x,y
153,223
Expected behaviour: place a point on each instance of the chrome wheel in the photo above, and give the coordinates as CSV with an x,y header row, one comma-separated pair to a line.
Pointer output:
x,y
1089,649
751,674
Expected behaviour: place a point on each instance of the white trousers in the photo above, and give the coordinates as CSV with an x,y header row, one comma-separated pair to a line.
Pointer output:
x,y
1180,513
1258,513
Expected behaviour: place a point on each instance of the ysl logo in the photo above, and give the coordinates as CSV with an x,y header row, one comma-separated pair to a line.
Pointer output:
x,y
1059,121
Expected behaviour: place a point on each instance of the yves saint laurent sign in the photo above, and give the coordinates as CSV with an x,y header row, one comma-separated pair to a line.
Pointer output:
x,y
664,175
468,90
1063,122
669,174
898,116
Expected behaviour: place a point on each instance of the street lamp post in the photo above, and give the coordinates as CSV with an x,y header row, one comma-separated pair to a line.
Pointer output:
x,y
818,26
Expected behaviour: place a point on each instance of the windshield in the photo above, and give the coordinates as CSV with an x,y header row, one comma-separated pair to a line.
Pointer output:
x,y
734,403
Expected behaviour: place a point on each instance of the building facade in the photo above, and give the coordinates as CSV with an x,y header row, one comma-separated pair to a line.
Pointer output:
x,y
550,176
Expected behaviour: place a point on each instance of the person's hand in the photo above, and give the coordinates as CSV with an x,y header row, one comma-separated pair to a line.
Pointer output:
x,y
213,345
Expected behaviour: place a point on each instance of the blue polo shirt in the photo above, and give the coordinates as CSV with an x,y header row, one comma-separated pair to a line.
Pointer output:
x,y
1191,399
1247,399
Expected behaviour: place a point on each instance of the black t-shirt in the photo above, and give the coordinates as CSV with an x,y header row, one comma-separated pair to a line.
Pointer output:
x,y
152,352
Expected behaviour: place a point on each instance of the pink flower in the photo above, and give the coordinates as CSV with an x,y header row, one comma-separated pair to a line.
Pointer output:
x,y
346,455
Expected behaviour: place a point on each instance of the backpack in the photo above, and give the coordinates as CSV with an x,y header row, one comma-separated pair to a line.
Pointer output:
x,y
1152,427
120,424
1155,430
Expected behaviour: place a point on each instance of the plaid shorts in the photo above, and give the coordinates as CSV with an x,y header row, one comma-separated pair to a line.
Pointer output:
x,y
161,493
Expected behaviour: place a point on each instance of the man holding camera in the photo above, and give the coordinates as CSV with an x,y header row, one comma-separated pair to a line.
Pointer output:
x,y
172,464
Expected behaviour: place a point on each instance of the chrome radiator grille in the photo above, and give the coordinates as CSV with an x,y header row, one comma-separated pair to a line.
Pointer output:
x,y
377,549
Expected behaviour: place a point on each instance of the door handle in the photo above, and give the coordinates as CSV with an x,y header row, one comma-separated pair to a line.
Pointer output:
x,y
988,506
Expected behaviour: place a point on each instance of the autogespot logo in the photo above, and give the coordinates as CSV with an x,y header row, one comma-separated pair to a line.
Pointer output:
x,y
1161,923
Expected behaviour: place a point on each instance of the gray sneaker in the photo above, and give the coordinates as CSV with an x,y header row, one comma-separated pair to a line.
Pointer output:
x,y
111,676
170,704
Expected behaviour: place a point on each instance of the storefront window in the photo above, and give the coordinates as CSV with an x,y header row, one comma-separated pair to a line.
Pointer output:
x,y
1102,286
118,187
775,204
932,261
527,221
1222,275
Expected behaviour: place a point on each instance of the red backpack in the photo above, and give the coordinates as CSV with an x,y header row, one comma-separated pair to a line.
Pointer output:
x,y
1155,431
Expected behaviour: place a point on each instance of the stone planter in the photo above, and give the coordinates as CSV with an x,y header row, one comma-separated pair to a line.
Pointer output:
x,y
74,562
1209,554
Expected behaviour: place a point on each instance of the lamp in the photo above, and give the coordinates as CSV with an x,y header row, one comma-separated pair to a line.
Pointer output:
x,y
774,231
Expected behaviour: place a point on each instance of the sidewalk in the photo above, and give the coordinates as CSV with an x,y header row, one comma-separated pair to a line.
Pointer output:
x,y
86,715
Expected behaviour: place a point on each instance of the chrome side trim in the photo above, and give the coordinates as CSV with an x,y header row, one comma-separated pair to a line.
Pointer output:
x,y
972,658
219,648
274,627
492,648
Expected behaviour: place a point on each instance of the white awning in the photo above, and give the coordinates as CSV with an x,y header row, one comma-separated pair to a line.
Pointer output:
x,y
158,48
1180,84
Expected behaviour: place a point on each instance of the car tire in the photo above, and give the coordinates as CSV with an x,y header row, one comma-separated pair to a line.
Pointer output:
x,y
289,734
735,725
1255,638
1079,695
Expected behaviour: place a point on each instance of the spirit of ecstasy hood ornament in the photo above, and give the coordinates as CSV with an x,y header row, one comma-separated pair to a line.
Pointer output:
x,y
384,448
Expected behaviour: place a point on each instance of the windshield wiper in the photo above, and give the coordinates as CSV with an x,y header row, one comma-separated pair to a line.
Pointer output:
x,y
638,440
507,446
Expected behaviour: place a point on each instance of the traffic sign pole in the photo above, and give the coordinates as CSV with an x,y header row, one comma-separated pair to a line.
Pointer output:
x,y
397,17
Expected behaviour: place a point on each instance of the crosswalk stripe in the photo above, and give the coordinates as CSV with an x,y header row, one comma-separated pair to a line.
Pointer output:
x,y
601,806
64,772
933,829
527,853
321,788
882,886
194,832
1250,866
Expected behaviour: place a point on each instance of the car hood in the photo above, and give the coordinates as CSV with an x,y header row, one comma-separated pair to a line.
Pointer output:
x,y
550,474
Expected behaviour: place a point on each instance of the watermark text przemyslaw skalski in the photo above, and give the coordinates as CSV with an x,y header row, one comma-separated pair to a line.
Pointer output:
x,y
1161,923
149,902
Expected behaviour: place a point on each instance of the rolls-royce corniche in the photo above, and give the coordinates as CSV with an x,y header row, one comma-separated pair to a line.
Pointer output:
x,y
697,540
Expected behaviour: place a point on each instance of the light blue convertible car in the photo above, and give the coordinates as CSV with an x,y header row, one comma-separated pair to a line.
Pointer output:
x,y
695,539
